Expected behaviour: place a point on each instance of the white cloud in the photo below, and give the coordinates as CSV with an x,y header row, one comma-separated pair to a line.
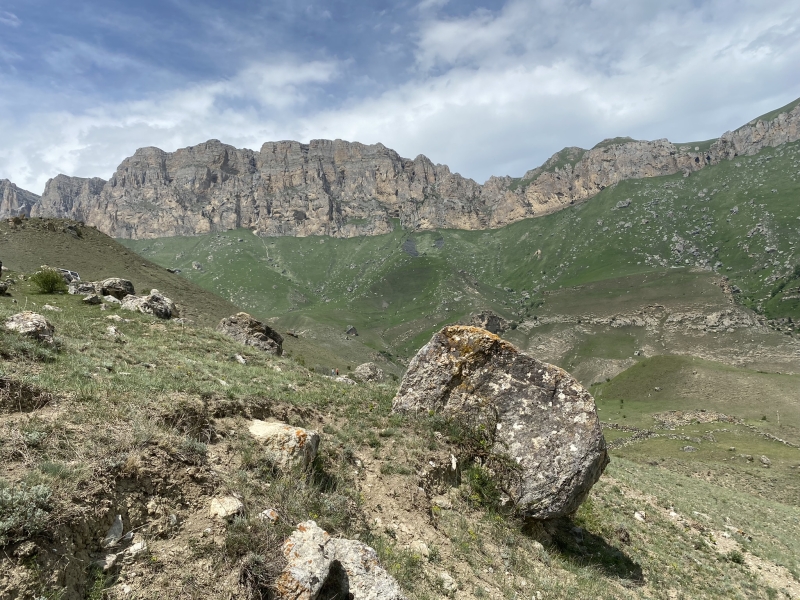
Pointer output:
x,y
489,93
10,19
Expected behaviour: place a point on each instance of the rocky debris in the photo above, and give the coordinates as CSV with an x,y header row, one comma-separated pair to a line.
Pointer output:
x,y
449,584
114,533
689,449
623,203
81,287
3,288
368,372
285,446
350,330
344,379
114,286
51,308
155,303
252,332
319,566
197,266
765,462
32,325
488,320
532,412
92,299
112,300
226,507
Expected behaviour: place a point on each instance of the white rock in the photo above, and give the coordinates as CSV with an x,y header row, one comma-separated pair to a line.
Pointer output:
x,y
226,507
32,325
114,533
316,562
286,446
448,583
420,547
640,516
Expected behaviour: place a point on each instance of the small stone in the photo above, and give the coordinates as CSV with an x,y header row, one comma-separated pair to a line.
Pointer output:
x,y
420,547
640,516
442,502
449,584
114,533
226,507
765,462
50,307
240,359
137,549
269,514
689,449
284,445
92,299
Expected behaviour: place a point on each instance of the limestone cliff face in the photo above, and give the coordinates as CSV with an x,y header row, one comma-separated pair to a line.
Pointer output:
x,y
15,201
345,189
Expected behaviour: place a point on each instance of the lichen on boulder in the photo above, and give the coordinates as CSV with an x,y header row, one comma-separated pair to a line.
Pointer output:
x,y
252,332
535,414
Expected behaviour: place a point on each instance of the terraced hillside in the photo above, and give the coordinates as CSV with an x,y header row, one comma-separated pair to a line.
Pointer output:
x,y
668,264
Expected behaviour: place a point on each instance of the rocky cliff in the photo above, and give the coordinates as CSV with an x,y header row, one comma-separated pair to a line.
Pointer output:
x,y
15,201
346,189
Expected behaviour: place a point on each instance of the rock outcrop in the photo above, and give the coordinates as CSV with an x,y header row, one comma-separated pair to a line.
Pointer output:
x,y
319,566
15,201
490,321
535,414
155,303
347,189
368,372
32,325
285,446
252,332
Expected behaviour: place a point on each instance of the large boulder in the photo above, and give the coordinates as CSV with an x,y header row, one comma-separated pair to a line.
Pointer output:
x,y
368,372
82,287
532,412
285,446
32,325
115,286
319,566
155,303
252,332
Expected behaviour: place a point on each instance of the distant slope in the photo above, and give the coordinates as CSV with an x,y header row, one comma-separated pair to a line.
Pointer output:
x,y
664,241
94,256
346,189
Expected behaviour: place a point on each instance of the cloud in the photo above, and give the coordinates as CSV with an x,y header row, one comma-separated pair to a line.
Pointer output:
x,y
10,19
484,91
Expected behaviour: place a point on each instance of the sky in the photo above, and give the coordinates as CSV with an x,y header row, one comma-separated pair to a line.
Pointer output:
x,y
486,87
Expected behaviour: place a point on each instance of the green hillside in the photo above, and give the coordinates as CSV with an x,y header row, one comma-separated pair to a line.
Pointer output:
x,y
739,219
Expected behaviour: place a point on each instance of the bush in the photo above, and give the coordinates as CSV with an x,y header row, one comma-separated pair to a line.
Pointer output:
x,y
23,511
49,281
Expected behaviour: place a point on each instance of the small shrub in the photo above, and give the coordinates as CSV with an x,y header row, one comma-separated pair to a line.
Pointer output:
x,y
735,556
49,281
23,511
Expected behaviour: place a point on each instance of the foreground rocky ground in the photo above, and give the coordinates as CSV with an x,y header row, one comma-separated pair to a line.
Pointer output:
x,y
157,421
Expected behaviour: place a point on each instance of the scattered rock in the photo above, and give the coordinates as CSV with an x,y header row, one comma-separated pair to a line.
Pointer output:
x,y
269,514
489,321
81,287
449,584
535,413
51,308
319,566
240,359
420,547
3,288
689,449
640,516
286,446
115,286
32,325
344,379
92,299
252,332
114,533
154,303
765,462
351,330
197,266
112,300
225,507
368,372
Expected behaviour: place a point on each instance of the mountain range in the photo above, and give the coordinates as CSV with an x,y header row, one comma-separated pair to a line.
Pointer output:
x,y
347,189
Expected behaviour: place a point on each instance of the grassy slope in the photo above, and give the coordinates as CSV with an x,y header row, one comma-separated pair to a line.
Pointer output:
x,y
725,217
96,256
162,413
